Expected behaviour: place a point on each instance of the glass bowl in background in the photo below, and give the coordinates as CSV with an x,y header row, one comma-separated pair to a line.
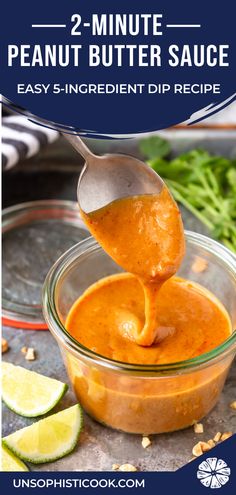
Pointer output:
x,y
35,234
144,399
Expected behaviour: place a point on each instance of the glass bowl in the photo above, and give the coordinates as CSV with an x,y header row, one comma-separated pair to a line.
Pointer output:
x,y
143,399
35,234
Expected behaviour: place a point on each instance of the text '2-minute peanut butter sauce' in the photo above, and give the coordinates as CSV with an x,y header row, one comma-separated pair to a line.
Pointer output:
x,y
147,316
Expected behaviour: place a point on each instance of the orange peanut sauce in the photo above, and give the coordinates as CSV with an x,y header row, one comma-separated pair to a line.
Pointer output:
x,y
101,320
146,317
144,235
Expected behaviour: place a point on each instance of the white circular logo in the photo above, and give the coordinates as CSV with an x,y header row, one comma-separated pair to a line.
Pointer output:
x,y
213,472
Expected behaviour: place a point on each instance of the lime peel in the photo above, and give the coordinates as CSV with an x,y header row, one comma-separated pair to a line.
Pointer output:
x,y
28,393
48,439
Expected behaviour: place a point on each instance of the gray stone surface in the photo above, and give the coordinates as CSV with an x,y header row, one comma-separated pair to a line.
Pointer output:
x,y
99,447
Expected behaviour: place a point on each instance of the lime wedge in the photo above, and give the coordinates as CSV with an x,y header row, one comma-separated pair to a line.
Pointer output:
x,y
28,393
10,461
48,439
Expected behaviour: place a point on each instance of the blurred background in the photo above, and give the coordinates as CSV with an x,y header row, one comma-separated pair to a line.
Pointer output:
x,y
38,164
52,168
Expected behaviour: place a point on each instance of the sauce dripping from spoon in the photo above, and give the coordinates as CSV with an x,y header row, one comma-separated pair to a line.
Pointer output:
x,y
144,235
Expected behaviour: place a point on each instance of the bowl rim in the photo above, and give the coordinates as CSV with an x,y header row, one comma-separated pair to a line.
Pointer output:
x,y
19,313
55,326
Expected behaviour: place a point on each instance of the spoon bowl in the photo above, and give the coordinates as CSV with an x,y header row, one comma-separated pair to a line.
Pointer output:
x,y
107,178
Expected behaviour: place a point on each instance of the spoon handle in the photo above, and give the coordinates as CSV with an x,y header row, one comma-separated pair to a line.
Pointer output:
x,y
79,145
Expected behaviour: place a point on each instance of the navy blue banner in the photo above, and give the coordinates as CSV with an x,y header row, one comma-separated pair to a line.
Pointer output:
x,y
215,470
108,68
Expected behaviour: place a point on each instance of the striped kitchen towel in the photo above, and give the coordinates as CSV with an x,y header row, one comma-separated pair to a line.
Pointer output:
x,y
22,139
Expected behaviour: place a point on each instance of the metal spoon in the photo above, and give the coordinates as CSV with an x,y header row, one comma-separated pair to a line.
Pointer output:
x,y
109,177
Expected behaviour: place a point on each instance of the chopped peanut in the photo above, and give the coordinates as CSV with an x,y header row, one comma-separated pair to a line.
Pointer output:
x,y
211,443
199,448
226,435
127,467
198,428
24,350
115,467
4,345
233,405
205,446
146,442
30,355
199,265
217,437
